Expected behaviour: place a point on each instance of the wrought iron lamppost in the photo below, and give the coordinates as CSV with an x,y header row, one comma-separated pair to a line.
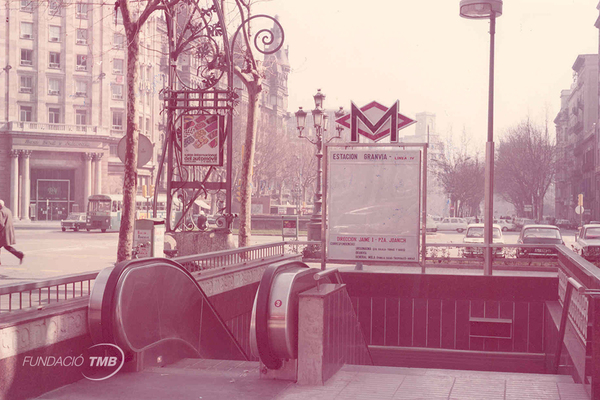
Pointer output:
x,y
320,121
484,9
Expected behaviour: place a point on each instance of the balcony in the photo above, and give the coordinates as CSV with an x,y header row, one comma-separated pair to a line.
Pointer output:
x,y
58,129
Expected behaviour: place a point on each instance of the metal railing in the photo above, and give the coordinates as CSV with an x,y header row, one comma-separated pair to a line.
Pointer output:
x,y
30,295
579,292
234,257
505,255
37,294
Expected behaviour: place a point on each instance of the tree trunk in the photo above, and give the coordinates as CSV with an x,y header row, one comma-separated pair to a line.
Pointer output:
x,y
131,155
246,190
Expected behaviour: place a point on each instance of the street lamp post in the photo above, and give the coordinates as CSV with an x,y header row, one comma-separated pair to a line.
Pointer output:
x,y
484,9
320,122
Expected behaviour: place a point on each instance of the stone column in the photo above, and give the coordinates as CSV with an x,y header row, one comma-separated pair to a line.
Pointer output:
x,y
98,167
14,182
25,185
87,178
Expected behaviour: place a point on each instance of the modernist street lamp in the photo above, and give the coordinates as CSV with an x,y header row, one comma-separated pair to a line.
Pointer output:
x,y
320,123
484,9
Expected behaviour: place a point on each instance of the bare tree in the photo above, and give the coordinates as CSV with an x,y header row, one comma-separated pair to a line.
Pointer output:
x,y
134,16
251,72
462,179
525,166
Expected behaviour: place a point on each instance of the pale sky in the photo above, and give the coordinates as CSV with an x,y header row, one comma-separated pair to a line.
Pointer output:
x,y
425,55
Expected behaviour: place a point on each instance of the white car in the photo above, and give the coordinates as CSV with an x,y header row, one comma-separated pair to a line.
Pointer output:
x,y
431,224
475,235
588,239
452,224
505,225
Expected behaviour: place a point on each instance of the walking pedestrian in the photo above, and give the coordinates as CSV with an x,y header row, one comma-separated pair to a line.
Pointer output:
x,y
7,232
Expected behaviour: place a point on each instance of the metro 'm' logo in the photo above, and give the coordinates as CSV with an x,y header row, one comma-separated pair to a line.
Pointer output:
x,y
388,121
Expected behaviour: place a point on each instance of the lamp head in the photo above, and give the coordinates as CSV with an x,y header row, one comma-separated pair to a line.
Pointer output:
x,y
479,9
319,98
300,118
317,114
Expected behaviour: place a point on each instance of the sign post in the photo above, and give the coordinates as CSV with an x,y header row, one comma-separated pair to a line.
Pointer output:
x,y
579,210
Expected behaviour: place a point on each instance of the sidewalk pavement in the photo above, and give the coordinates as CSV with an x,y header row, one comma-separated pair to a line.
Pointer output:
x,y
20,224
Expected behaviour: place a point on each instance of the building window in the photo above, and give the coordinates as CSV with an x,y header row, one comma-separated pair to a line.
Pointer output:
x,y
118,66
117,91
54,7
26,30
82,36
54,115
27,5
118,41
26,57
54,61
80,117
81,88
118,16
81,10
117,120
26,114
113,150
147,98
54,33
53,86
81,62
148,125
26,84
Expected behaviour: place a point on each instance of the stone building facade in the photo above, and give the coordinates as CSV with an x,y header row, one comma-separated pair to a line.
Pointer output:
x,y
577,143
62,104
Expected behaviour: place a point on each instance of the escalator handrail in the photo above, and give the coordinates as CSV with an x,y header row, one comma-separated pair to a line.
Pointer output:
x,y
265,352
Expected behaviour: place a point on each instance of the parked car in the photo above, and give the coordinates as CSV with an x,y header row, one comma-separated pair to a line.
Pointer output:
x,y
431,224
564,224
75,221
452,224
542,235
475,234
505,225
588,240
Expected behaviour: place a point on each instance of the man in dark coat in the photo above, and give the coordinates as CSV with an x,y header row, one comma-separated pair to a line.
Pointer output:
x,y
7,232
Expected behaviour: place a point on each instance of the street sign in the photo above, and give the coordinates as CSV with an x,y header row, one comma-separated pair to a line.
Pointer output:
x,y
528,207
145,147
579,210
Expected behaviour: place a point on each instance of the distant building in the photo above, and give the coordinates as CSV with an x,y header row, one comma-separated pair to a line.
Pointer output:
x,y
577,142
425,132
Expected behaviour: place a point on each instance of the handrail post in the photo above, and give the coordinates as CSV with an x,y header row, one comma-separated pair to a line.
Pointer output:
x,y
563,324
595,312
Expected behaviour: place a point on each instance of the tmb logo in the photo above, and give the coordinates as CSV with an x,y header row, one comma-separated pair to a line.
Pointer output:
x,y
102,361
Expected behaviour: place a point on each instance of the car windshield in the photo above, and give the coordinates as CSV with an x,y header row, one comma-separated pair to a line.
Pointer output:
x,y
592,233
73,216
477,232
550,233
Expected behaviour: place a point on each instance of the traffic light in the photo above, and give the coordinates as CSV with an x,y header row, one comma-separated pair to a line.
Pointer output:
x,y
151,191
580,199
144,190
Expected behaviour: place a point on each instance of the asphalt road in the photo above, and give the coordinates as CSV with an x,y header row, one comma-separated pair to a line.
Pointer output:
x,y
49,252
